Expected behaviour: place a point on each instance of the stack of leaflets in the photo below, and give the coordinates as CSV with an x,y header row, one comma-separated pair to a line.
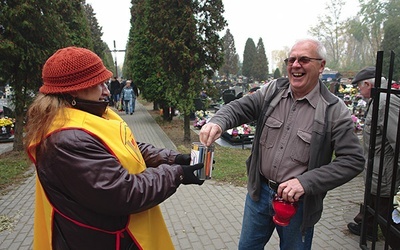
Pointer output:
x,y
202,154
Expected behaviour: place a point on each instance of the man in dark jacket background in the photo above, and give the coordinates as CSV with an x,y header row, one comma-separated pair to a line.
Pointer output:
x,y
115,87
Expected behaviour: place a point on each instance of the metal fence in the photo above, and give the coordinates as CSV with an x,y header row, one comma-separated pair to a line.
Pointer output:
x,y
373,203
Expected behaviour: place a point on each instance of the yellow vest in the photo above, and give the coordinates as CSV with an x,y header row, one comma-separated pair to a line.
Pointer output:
x,y
148,227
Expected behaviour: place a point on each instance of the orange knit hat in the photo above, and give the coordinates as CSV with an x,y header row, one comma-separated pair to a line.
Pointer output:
x,y
71,69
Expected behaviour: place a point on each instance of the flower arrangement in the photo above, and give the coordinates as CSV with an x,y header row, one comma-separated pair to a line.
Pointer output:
x,y
356,103
358,97
396,211
201,118
357,123
244,129
349,89
6,126
5,121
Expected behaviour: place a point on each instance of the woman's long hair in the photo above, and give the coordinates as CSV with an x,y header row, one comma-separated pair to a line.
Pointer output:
x,y
40,117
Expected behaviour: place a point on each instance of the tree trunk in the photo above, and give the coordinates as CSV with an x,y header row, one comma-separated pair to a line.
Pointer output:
x,y
186,129
18,144
155,106
20,101
168,112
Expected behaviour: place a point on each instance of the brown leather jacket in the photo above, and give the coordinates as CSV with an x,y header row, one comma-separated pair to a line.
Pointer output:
x,y
86,183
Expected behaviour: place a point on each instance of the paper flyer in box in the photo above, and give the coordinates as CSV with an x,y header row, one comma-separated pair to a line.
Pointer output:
x,y
205,155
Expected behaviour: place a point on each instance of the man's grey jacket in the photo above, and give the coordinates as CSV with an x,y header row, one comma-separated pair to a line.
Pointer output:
x,y
336,155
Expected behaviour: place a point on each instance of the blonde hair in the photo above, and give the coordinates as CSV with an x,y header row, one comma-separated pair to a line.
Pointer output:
x,y
40,116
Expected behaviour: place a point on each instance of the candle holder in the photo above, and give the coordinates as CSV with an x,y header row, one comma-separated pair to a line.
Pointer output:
x,y
284,211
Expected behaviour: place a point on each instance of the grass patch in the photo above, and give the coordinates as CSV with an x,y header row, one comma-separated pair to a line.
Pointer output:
x,y
229,166
13,166
230,163
6,223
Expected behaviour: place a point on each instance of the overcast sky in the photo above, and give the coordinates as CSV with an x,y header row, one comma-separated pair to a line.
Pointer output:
x,y
279,23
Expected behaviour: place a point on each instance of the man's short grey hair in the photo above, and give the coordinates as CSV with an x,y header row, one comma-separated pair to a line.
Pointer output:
x,y
383,82
321,50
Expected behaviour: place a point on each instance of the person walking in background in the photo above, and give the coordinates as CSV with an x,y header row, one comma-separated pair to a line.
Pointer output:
x,y
300,124
136,92
128,96
115,87
96,187
365,82
122,85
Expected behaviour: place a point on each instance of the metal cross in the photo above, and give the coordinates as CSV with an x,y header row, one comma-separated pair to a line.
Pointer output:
x,y
115,50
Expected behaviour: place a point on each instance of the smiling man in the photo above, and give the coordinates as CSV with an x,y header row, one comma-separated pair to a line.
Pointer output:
x,y
300,123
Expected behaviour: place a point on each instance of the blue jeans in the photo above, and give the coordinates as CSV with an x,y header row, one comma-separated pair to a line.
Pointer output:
x,y
258,225
128,106
115,97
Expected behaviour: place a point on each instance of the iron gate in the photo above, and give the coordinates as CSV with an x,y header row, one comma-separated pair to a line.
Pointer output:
x,y
388,227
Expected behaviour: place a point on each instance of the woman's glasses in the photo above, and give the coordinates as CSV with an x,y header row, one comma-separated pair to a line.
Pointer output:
x,y
302,60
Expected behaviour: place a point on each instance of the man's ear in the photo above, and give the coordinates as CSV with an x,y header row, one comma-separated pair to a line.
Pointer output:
x,y
321,69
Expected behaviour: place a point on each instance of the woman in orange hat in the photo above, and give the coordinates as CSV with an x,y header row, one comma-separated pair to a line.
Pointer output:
x,y
95,190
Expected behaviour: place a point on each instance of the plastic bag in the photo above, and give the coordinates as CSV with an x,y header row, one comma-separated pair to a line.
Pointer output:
x,y
119,105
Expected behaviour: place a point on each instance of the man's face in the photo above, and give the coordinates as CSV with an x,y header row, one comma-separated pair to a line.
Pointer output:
x,y
365,88
304,67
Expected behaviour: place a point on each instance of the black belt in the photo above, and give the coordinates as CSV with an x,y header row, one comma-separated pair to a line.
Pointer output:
x,y
271,184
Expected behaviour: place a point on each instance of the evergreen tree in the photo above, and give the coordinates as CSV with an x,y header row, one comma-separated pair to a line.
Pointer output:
x,y
277,73
33,30
108,59
73,15
141,58
179,45
260,67
95,30
391,38
249,58
231,58
99,46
